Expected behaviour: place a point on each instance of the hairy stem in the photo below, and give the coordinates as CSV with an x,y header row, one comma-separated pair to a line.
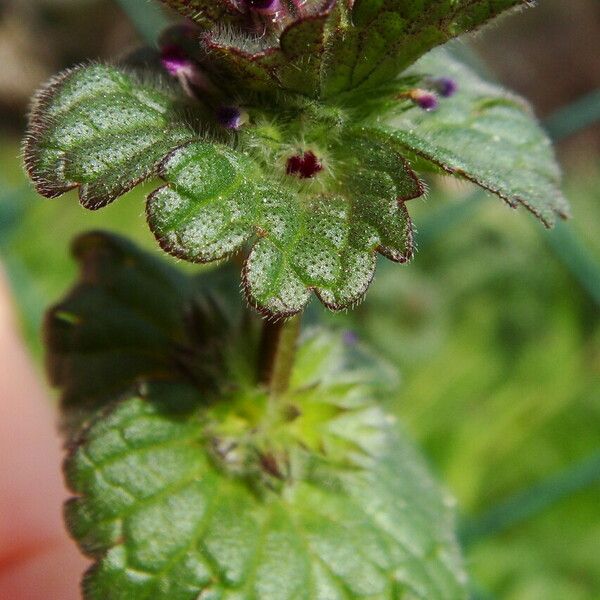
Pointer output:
x,y
277,352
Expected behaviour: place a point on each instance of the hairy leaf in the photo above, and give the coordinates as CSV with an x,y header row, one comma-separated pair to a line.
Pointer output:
x,y
292,62
316,227
130,316
216,199
321,48
102,130
325,499
387,36
247,51
207,12
488,136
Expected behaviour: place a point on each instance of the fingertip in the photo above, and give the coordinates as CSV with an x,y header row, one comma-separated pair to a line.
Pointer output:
x,y
51,573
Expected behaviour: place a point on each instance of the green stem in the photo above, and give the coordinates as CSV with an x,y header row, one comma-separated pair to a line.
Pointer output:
x,y
574,117
277,353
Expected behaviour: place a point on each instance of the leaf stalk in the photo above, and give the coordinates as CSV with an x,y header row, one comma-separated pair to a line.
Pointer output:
x,y
277,353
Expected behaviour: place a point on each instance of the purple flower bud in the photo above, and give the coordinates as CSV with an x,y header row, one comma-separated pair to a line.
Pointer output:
x,y
305,165
424,99
444,86
231,117
175,61
179,65
263,6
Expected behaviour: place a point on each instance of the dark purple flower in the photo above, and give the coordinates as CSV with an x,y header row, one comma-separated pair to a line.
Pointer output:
x,y
231,117
444,86
294,164
305,165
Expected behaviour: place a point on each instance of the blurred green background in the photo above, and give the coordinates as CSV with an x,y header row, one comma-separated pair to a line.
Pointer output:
x,y
494,328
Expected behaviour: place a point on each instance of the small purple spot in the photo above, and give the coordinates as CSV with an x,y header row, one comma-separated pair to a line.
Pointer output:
x,y
350,337
305,165
230,117
311,165
444,86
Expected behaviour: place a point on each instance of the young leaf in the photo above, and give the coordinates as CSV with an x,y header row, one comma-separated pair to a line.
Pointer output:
x,y
102,130
387,36
321,48
291,62
486,135
216,199
325,499
130,316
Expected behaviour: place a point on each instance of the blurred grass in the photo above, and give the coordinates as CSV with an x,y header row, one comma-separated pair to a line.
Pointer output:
x,y
574,117
532,501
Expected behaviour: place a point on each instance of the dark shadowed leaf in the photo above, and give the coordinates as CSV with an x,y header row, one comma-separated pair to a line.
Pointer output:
x,y
291,62
208,12
129,316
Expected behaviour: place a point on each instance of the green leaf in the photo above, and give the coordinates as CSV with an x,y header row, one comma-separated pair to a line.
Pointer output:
x,y
387,36
130,316
102,130
488,136
321,49
323,498
246,52
216,199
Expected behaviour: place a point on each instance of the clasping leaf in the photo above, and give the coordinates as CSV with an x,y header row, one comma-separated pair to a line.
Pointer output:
x,y
181,495
190,487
